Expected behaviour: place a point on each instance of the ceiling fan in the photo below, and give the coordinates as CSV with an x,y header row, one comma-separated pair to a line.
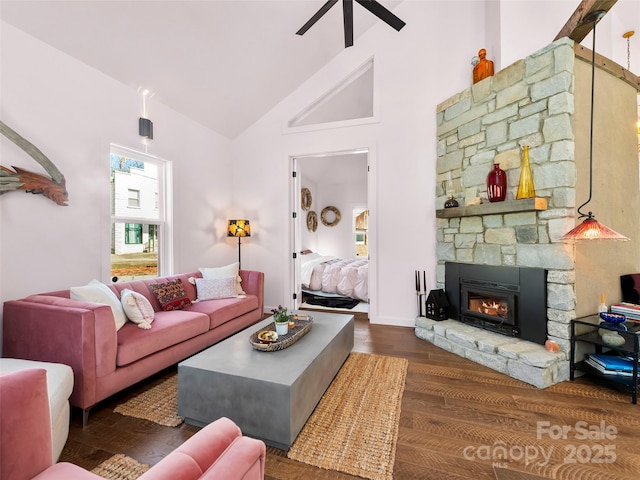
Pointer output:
x,y
347,8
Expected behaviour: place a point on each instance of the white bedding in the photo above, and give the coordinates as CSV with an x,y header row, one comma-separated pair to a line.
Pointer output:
x,y
343,276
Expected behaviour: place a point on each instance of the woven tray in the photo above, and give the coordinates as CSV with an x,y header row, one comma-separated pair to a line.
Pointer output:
x,y
296,333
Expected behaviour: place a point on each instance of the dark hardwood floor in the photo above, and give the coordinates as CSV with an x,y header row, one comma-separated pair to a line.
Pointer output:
x,y
459,420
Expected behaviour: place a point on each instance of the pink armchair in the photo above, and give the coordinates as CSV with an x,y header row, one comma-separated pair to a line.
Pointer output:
x,y
218,451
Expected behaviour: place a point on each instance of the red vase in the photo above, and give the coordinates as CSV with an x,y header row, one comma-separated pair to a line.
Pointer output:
x,y
496,184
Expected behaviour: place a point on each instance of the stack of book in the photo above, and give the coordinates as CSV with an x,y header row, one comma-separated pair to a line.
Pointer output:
x,y
611,364
630,310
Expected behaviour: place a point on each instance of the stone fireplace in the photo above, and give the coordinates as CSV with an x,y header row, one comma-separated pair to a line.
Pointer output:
x,y
541,101
528,103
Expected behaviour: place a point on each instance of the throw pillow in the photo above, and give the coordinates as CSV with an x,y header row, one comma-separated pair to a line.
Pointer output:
x,y
97,292
137,308
171,295
223,272
212,288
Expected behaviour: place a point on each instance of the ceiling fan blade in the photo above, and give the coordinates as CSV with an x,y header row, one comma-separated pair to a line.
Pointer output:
x,y
318,15
382,13
347,10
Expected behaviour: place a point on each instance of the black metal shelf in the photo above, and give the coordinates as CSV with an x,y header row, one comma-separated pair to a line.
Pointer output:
x,y
589,334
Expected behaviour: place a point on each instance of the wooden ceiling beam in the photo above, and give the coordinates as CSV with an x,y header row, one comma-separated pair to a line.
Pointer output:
x,y
574,28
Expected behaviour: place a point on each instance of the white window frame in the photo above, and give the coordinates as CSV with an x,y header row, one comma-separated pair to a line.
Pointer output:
x,y
165,208
135,198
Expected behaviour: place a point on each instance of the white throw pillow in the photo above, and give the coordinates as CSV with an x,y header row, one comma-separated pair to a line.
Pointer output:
x,y
212,288
97,292
223,272
137,308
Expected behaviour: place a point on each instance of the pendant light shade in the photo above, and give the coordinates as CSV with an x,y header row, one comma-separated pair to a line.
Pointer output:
x,y
590,229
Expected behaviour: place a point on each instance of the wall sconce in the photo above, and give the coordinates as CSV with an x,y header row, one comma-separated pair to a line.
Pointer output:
x,y
590,229
145,128
238,228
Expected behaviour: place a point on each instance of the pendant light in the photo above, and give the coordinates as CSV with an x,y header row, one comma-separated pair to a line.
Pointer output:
x,y
590,229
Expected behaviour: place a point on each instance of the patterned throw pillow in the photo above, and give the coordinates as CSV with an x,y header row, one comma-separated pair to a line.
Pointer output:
x,y
223,272
212,288
137,308
171,295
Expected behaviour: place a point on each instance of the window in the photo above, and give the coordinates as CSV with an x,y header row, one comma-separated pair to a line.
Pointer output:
x,y
361,224
133,198
140,215
133,233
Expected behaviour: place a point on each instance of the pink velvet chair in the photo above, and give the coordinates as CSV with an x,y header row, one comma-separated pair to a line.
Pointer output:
x,y
218,451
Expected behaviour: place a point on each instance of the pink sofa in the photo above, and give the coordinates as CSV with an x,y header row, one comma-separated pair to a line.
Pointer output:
x,y
52,327
218,451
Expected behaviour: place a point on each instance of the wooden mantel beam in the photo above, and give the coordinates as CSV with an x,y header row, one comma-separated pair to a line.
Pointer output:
x,y
574,28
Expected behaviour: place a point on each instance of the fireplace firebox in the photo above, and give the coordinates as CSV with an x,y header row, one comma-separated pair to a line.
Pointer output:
x,y
507,300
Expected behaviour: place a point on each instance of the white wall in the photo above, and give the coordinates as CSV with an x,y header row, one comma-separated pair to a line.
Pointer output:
x,y
72,113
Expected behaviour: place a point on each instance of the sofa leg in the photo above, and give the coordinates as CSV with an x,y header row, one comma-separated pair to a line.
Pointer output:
x,y
85,417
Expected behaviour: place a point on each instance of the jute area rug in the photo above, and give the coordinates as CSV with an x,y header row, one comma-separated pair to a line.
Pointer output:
x,y
354,428
159,404
120,467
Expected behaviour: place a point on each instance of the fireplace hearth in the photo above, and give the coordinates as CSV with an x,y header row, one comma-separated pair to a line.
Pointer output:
x,y
511,301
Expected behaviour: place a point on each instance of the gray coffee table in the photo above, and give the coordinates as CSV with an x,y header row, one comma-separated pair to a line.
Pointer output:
x,y
269,395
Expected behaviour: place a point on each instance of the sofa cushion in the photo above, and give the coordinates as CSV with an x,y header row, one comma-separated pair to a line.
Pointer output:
x,y
169,328
97,292
137,308
222,310
170,294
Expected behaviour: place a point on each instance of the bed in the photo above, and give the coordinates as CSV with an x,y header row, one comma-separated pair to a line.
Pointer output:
x,y
347,277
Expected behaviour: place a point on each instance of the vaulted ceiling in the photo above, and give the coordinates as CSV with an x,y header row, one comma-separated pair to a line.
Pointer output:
x,y
223,63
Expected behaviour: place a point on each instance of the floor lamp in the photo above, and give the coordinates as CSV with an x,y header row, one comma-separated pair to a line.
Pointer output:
x,y
238,228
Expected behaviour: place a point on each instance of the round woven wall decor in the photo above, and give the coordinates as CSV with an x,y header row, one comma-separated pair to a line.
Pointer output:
x,y
312,221
305,198
336,216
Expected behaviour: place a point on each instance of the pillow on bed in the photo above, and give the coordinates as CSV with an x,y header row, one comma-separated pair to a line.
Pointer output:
x,y
230,270
137,308
212,288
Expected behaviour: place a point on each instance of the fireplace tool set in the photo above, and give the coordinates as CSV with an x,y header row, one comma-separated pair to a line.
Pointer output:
x,y
421,289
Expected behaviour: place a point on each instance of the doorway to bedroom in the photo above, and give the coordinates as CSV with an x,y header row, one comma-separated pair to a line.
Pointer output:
x,y
330,266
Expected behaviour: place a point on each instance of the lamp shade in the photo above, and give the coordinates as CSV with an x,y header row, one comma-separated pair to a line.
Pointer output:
x,y
238,228
590,229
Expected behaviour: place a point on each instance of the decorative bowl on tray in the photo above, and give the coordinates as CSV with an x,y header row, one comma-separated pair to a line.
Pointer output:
x,y
612,317
267,336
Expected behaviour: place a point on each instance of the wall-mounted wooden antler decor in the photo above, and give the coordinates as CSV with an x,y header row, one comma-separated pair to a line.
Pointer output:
x,y
20,179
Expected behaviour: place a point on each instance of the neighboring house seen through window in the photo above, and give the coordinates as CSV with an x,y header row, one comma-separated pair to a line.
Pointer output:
x,y
140,215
